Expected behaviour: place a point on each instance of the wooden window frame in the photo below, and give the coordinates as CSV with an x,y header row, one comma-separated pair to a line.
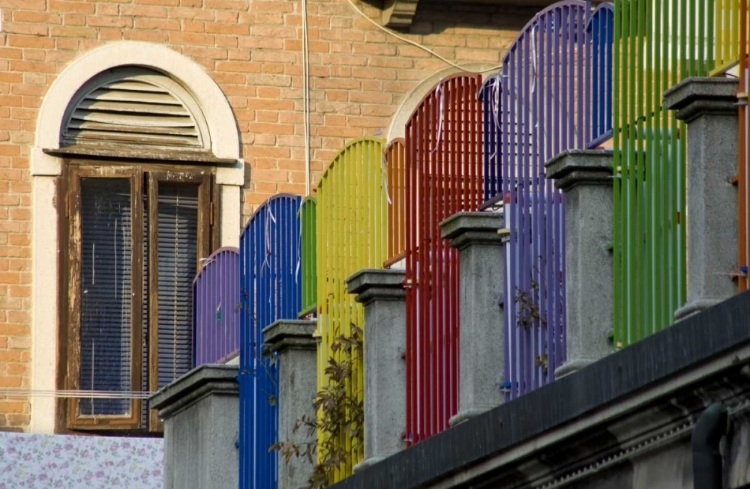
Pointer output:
x,y
69,239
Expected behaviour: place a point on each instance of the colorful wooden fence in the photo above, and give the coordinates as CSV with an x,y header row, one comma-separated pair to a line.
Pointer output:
x,y
552,96
352,224
443,176
395,159
308,213
216,311
657,45
269,290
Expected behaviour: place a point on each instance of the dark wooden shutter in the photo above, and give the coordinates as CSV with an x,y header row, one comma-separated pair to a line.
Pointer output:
x,y
177,249
106,298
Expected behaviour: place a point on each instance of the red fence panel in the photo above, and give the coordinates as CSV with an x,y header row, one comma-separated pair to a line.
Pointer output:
x,y
443,176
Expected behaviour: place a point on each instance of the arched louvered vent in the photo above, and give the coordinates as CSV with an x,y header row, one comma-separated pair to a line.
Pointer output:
x,y
135,106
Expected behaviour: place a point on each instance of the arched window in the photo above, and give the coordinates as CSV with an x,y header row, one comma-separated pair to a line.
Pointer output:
x,y
140,214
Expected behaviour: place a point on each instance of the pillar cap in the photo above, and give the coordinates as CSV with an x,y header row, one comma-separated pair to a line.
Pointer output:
x,y
195,385
286,334
372,284
469,228
698,96
580,167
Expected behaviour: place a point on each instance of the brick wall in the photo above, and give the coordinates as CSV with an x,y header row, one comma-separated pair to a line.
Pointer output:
x,y
252,48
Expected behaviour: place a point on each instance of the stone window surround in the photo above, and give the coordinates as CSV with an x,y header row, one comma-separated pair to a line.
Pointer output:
x,y
46,168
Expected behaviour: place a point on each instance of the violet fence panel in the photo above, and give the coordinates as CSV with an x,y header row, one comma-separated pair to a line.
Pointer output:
x,y
216,301
553,94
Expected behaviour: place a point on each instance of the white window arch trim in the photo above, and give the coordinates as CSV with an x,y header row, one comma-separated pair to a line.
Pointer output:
x,y
45,168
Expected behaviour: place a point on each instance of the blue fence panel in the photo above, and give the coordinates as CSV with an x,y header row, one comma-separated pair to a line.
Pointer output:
x,y
270,289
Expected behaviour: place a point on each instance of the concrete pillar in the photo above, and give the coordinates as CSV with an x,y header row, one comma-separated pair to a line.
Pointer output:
x,y
293,341
481,321
586,179
384,298
201,414
709,106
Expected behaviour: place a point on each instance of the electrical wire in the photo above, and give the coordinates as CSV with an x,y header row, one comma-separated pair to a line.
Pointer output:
x,y
78,394
417,45
306,94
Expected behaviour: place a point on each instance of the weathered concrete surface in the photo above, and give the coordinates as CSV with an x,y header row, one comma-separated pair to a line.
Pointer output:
x,y
624,422
294,343
201,427
481,321
709,106
384,298
586,179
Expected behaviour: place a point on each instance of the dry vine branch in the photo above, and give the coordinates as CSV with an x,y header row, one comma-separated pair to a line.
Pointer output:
x,y
340,415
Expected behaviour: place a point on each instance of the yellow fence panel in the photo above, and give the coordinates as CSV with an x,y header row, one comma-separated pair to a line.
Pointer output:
x,y
351,234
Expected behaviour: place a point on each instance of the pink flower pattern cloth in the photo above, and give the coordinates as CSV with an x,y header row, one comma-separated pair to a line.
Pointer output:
x,y
32,461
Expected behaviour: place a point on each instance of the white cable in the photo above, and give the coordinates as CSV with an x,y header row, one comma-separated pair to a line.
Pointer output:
x,y
306,94
417,45
80,394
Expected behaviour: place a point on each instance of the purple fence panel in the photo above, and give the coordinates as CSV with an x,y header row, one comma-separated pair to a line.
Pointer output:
x,y
553,94
216,315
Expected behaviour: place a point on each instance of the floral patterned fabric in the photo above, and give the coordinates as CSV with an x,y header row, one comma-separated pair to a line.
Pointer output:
x,y
31,461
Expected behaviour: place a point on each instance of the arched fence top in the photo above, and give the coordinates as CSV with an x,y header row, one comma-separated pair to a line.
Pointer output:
x,y
395,142
206,266
439,86
264,207
534,23
352,145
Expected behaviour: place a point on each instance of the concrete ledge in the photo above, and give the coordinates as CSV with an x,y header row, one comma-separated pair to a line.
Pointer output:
x,y
695,307
569,367
194,386
466,415
369,462
467,228
287,334
696,96
575,167
656,384
373,284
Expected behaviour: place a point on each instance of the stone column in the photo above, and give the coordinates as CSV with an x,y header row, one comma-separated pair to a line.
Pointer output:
x,y
709,106
383,295
201,414
586,179
481,321
293,341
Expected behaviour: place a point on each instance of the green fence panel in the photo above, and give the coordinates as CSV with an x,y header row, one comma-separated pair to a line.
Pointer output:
x,y
658,43
308,261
